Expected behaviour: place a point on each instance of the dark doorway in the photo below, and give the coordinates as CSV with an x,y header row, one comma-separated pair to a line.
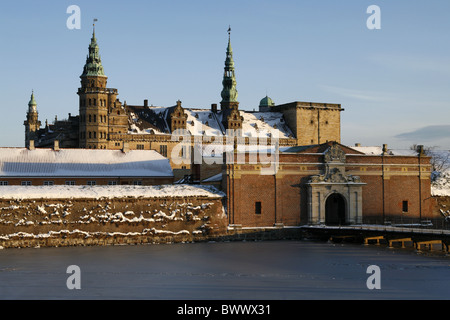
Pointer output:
x,y
335,210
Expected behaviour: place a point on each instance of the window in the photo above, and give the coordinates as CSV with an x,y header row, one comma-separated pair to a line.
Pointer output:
x,y
91,183
405,206
25,183
49,183
258,207
137,182
140,147
163,150
112,183
70,183
4,183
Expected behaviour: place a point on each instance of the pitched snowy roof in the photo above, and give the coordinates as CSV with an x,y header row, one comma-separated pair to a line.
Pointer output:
x,y
265,124
21,162
146,120
379,150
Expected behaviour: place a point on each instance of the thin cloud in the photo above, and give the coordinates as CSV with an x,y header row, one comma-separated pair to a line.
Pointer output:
x,y
429,133
355,94
411,63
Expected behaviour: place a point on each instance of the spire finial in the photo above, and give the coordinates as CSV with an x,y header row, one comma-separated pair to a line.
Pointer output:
x,y
93,26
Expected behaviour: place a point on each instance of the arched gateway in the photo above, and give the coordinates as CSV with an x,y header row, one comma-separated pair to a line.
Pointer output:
x,y
335,197
335,210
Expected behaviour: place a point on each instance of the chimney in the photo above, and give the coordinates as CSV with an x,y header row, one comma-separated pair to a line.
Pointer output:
x,y
420,150
214,107
126,147
56,145
145,103
385,149
31,145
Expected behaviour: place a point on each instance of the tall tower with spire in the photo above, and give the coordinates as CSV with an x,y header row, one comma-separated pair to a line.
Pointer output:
x,y
32,124
94,101
229,105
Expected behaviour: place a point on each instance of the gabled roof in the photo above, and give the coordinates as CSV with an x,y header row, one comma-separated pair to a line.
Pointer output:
x,y
22,162
147,120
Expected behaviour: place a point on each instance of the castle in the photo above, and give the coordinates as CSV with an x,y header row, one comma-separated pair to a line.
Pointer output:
x,y
314,179
104,122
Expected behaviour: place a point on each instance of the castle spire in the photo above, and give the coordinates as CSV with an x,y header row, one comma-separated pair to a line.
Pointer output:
x,y
32,100
93,66
229,92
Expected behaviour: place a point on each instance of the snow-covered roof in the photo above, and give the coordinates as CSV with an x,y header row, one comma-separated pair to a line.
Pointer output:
x,y
379,150
202,121
15,162
214,178
154,120
265,124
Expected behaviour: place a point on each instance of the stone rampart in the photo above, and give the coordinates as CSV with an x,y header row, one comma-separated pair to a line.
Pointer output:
x,y
28,221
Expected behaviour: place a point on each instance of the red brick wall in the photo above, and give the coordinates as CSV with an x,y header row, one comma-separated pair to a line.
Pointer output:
x,y
285,199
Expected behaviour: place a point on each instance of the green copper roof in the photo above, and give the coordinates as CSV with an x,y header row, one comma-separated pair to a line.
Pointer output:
x,y
266,102
229,92
32,100
93,66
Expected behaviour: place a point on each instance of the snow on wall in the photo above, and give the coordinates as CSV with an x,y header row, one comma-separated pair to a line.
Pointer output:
x,y
61,222
97,192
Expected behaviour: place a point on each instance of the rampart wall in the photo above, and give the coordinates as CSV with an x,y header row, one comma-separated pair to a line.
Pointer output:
x,y
122,219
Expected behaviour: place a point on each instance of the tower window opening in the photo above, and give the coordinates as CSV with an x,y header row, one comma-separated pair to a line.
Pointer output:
x,y
258,208
405,206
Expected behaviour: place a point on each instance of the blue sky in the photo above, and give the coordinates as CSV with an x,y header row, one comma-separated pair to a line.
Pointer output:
x,y
393,83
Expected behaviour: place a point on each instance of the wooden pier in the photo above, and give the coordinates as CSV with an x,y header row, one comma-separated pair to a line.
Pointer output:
x,y
419,238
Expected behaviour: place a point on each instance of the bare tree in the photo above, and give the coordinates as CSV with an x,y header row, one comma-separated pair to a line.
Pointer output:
x,y
440,159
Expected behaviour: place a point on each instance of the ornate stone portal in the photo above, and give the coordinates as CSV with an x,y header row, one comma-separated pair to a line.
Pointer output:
x,y
335,197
